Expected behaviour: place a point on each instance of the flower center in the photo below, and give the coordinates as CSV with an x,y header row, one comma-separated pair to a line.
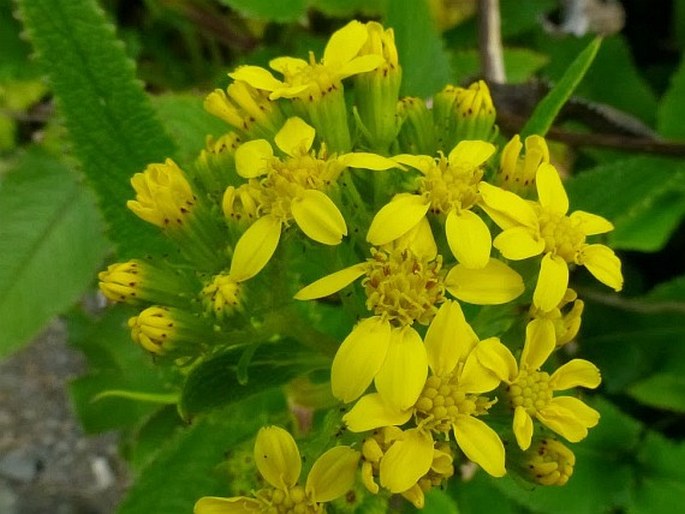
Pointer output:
x,y
530,390
402,287
221,295
289,178
561,235
319,78
450,187
292,500
442,400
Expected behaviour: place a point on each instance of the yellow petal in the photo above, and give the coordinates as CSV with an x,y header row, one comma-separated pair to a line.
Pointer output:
x,y
539,345
360,64
471,153
369,161
476,378
591,224
332,283
252,158
507,209
344,44
568,417
277,457
423,163
419,240
519,243
255,248
552,282
494,284
372,412
333,474
496,357
236,505
469,238
449,339
288,65
295,137
602,262
257,77
318,217
403,373
359,358
523,428
577,372
407,460
480,444
551,191
396,218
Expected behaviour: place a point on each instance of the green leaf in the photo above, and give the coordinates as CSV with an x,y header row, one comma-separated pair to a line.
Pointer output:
x,y
605,457
663,391
267,10
51,244
673,290
546,111
348,8
111,124
672,107
520,64
614,79
188,123
633,341
219,380
646,201
114,363
438,502
425,64
660,487
185,468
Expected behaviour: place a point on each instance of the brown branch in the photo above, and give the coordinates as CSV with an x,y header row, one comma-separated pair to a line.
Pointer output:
x,y
490,41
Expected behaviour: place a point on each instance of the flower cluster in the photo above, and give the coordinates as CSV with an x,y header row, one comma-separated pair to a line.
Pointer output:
x,y
409,220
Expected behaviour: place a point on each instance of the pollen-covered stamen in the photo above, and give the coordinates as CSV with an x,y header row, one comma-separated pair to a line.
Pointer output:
x,y
287,180
450,187
222,295
442,400
562,235
530,390
549,462
292,500
402,287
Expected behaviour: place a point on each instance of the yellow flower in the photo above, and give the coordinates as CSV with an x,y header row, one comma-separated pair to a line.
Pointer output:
x,y
246,109
548,462
543,227
450,401
448,187
374,449
531,391
565,321
282,190
302,79
516,171
163,195
161,330
278,461
222,295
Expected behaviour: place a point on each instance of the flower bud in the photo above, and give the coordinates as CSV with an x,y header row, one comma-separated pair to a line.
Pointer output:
x,y
517,170
548,462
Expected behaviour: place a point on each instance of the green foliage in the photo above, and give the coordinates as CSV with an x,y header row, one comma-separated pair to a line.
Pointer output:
x,y
661,483
646,204
239,373
546,111
51,244
672,107
186,466
425,64
115,363
111,124
520,64
661,390
267,10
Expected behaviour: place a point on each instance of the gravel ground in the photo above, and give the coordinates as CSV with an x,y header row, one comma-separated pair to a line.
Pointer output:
x,y
47,464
